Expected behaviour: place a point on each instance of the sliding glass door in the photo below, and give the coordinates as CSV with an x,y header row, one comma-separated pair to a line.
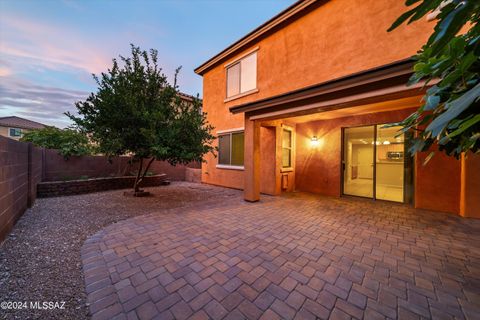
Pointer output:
x,y
373,163
389,164
358,161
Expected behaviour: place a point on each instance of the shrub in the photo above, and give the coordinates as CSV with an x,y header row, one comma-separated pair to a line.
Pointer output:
x,y
68,142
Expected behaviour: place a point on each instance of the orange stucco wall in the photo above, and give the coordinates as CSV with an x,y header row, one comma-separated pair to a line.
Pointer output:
x,y
470,186
319,168
437,183
338,38
268,160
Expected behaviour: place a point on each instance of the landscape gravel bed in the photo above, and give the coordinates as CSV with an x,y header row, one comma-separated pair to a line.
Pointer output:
x,y
40,259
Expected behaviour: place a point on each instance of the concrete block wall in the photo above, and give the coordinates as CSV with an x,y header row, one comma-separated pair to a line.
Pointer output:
x,y
20,171
36,165
23,167
56,168
193,175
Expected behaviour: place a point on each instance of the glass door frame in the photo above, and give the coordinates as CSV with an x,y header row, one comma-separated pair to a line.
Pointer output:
x,y
408,192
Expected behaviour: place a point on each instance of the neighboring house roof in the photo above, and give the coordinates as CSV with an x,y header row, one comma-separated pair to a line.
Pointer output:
x,y
17,122
186,97
282,18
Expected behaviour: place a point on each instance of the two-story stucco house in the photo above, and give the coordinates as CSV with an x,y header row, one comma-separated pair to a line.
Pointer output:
x,y
15,127
300,103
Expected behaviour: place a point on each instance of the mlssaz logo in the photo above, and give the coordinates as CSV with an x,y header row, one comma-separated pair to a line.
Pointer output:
x,y
47,305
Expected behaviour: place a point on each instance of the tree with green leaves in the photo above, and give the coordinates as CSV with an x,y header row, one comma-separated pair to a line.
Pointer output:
x,y
450,114
137,111
68,142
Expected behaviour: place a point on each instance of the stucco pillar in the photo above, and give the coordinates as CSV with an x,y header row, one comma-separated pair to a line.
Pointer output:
x,y
470,186
252,160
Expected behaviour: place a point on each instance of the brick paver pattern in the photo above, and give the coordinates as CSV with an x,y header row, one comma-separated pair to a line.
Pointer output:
x,y
295,257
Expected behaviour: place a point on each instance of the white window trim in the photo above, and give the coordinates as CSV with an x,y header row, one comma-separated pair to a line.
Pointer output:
x,y
233,62
21,132
229,64
230,132
240,95
289,168
229,167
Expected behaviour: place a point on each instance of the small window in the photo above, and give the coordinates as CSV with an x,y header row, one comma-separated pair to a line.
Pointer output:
x,y
15,132
286,148
230,148
242,76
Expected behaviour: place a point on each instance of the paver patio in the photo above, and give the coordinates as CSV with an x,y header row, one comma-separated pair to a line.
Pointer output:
x,y
300,256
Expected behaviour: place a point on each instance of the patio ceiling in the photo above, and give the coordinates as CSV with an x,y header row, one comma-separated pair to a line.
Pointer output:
x,y
390,105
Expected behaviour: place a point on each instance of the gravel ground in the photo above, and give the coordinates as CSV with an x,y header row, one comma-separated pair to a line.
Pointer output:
x,y
40,260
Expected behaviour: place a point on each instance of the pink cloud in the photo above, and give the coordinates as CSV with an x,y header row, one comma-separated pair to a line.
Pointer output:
x,y
45,104
4,71
53,47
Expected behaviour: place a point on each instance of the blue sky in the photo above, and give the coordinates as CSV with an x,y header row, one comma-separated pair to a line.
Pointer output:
x,y
49,49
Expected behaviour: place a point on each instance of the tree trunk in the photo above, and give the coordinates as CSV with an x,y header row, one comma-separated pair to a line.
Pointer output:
x,y
136,187
146,170
141,175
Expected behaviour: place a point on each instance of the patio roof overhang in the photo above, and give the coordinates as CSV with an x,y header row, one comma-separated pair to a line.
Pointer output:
x,y
376,85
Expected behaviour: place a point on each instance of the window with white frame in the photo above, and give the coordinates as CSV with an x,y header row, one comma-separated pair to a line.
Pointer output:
x,y
230,148
242,76
15,132
286,148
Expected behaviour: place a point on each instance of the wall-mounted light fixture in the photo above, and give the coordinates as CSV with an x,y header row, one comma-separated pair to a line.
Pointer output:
x,y
314,141
386,142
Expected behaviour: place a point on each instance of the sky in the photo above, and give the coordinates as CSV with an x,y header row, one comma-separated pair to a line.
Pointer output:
x,y
49,49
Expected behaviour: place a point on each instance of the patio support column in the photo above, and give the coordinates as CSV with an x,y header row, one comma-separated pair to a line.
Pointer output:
x,y
470,186
252,160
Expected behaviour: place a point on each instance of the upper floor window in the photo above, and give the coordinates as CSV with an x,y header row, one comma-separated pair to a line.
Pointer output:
x,y
15,132
242,75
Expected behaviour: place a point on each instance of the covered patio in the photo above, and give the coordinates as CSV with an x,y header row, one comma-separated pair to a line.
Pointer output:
x,y
319,123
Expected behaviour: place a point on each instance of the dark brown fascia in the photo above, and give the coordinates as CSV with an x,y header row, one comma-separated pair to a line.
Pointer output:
x,y
396,73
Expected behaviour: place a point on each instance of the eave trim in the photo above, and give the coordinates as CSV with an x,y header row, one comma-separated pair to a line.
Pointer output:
x,y
396,69
262,29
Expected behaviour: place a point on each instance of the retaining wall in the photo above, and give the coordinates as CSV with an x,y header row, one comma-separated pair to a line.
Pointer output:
x,y
67,188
